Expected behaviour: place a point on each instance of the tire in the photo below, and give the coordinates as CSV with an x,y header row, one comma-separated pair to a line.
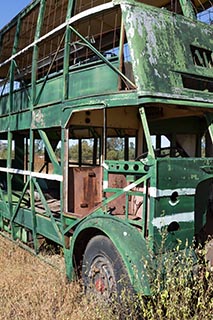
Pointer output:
x,y
103,271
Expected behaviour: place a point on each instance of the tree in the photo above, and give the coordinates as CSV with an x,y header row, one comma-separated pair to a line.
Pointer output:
x,y
115,148
86,149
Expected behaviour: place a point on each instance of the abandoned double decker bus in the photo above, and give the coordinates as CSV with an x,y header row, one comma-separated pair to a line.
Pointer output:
x,y
106,133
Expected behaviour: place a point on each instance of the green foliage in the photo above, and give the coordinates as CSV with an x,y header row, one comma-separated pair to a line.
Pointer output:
x,y
115,148
3,150
113,155
73,152
181,289
115,144
132,151
87,151
3,154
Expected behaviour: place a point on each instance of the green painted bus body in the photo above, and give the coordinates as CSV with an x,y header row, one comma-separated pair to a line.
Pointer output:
x,y
162,87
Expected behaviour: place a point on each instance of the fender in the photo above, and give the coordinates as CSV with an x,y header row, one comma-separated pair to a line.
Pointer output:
x,y
128,241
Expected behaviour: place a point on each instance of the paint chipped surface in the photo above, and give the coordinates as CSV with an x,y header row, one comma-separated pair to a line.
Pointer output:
x,y
38,119
160,222
160,47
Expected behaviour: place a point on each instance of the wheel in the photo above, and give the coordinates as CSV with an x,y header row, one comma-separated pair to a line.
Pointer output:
x,y
104,273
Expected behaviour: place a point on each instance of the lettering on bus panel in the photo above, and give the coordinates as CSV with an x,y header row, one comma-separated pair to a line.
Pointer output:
x,y
202,57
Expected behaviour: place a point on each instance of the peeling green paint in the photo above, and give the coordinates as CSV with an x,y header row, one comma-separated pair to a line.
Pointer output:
x,y
161,50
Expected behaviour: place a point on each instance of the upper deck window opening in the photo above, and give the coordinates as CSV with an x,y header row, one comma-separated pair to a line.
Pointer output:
x,y
50,59
82,5
55,14
202,57
7,42
51,56
102,30
28,28
197,83
26,37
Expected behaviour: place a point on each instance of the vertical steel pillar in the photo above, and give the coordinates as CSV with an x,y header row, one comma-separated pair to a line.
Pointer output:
x,y
187,9
10,135
209,119
65,165
121,53
65,131
209,137
33,99
67,51
36,50
126,148
146,132
151,182
12,64
9,180
64,190
95,151
32,190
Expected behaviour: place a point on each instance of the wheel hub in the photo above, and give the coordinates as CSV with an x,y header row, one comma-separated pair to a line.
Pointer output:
x,y
99,285
102,277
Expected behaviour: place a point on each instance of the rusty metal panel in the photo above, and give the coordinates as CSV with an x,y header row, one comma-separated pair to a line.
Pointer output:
x,y
85,189
117,181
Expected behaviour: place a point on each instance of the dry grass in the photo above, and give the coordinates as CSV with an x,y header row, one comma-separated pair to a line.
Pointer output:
x,y
31,289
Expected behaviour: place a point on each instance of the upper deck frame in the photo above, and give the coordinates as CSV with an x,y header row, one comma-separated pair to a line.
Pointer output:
x,y
35,58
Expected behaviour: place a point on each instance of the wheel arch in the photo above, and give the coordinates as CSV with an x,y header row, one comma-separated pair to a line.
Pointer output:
x,y
127,240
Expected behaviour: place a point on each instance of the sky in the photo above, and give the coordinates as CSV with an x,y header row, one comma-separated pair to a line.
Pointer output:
x,y
10,8
207,16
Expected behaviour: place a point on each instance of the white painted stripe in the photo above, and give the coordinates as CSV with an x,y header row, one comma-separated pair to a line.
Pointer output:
x,y
105,184
154,192
130,186
77,17
178,217
173,204
54,177
105,166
